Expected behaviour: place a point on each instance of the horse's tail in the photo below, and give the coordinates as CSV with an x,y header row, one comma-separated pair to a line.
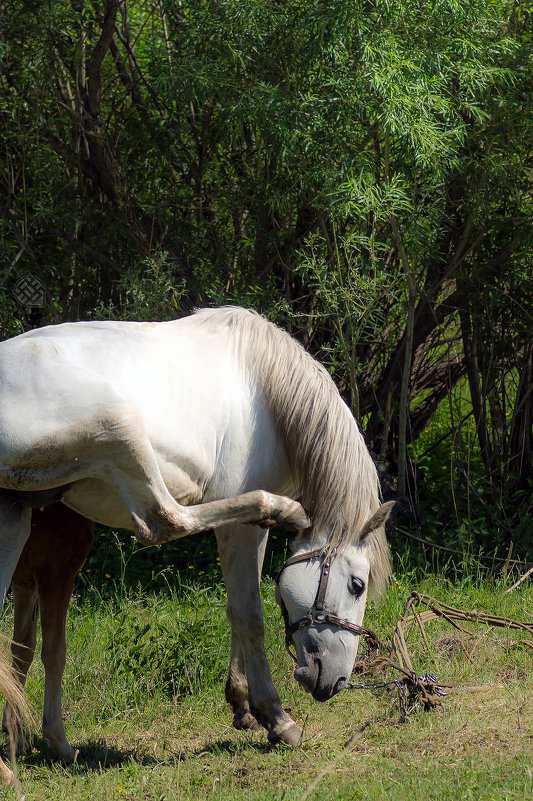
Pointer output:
x,y
17,717
13,692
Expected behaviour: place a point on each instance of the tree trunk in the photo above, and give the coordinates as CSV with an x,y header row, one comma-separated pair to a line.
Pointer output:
x,y
521,436
476,394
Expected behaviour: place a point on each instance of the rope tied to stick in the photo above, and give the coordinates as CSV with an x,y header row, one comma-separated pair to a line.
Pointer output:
x,y
424,690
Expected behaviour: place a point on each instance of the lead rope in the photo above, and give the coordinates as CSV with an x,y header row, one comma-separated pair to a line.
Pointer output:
x,y
414,690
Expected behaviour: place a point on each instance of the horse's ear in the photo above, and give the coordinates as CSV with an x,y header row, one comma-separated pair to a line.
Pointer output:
x,y
377,520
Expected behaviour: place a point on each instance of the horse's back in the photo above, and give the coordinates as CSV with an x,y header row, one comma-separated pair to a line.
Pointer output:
x,y
51,380
55,381
180,386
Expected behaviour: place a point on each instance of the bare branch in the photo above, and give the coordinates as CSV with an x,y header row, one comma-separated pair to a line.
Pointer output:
x,y
94,64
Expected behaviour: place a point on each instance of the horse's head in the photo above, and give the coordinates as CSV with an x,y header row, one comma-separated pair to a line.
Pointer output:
x,y
322,594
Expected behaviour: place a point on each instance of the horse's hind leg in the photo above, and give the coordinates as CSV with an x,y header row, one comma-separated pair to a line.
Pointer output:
x,y
15,523
53,604
69,536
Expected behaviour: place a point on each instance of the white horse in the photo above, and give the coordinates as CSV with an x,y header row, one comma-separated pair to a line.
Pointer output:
x,y
216,421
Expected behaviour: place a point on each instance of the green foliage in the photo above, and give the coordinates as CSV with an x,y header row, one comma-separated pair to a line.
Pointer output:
x,y
310,160
174,653
146,292
457,501
249,116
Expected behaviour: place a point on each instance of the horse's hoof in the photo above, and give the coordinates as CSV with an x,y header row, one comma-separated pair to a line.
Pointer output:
x,y
294,517
289,734
68,755
246,721
61,748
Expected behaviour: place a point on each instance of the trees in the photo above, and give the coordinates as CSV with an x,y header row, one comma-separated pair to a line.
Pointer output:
x,y
357,171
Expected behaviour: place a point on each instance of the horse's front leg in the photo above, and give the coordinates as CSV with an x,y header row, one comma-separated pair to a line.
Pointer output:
x,y
256,508
241,555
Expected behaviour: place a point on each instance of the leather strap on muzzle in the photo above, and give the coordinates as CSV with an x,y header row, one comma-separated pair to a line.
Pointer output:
x,y
317,615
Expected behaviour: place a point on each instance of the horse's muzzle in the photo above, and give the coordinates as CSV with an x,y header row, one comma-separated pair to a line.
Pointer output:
x,y
312,679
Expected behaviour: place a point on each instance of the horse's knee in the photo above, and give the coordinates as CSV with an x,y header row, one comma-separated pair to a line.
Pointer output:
x,y
160,526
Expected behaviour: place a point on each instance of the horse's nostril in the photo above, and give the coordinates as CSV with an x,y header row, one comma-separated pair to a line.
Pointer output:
x,y
340,685
308,676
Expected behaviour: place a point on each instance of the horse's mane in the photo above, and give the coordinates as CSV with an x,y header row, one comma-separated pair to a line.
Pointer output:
x,y
326,452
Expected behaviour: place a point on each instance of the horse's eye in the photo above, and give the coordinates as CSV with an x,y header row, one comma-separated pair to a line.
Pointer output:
x,y
356,586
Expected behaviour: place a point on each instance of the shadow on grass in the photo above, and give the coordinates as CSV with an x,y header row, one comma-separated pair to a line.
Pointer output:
x,y
232,748
94,756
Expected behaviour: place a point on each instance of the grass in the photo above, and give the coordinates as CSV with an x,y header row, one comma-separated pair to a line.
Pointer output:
x,y
143,701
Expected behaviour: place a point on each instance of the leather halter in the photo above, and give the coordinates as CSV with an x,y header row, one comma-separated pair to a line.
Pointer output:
x,y
317,614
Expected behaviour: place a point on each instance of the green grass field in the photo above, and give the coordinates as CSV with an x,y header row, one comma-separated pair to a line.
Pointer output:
x,y
144,703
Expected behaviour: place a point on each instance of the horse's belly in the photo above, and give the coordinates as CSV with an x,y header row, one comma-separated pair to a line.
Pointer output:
x,y
98,501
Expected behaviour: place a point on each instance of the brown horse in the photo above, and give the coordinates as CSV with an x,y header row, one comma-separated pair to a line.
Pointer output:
x,y
43,581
